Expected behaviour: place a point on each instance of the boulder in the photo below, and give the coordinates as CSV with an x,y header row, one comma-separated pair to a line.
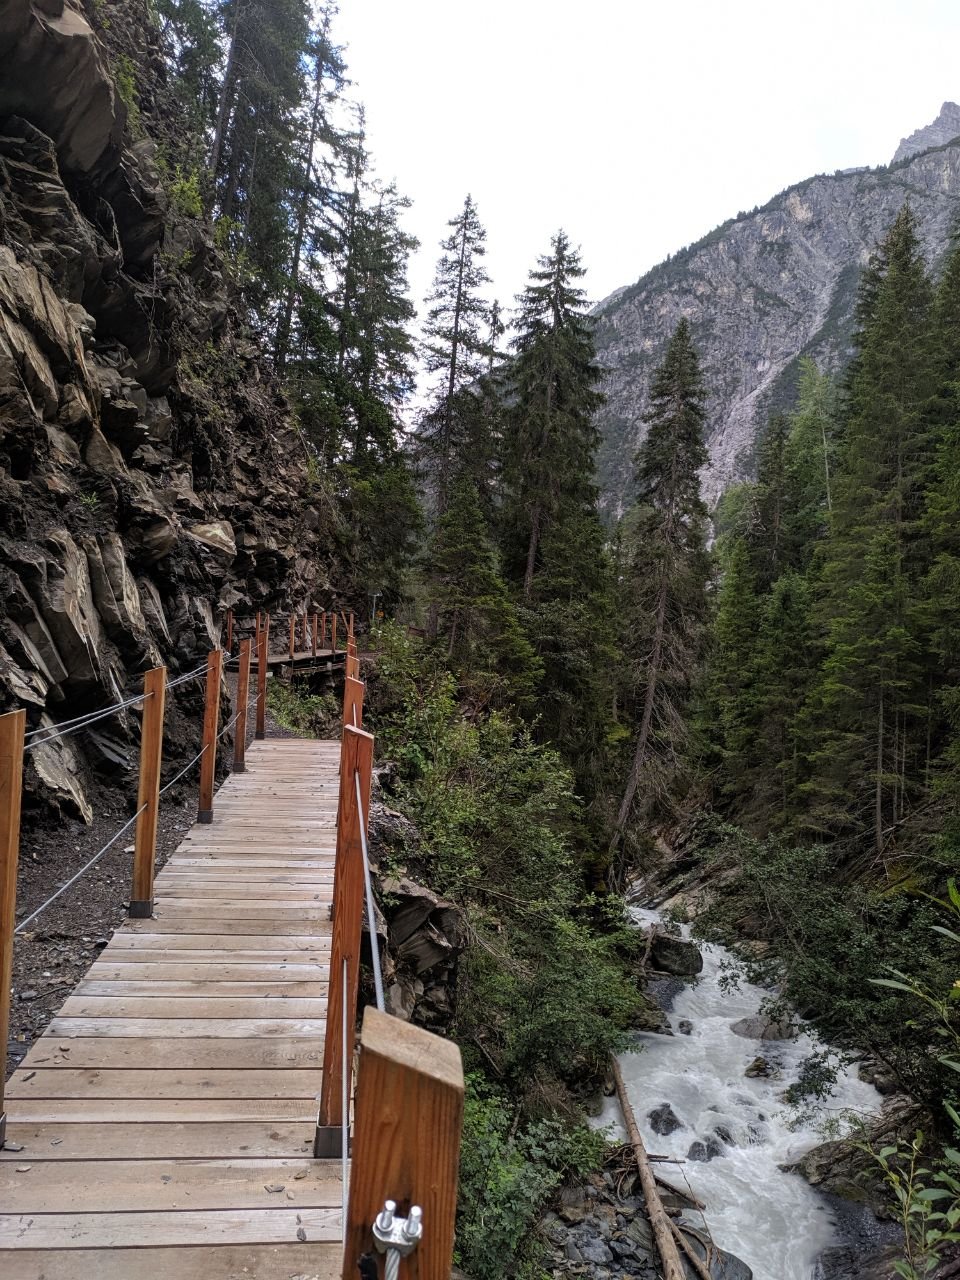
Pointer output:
x,y
675,955
217,535
758,1068
664,1120
762,1027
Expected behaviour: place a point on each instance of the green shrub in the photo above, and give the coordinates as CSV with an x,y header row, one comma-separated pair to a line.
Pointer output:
x,y
185,193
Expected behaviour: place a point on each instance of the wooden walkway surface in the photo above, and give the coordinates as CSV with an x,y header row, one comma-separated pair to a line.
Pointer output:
x,y
167,1114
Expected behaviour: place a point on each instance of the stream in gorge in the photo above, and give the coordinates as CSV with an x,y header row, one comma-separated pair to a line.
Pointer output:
x,y
774,1221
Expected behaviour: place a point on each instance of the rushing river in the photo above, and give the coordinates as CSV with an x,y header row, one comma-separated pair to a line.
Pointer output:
x,y
772,1220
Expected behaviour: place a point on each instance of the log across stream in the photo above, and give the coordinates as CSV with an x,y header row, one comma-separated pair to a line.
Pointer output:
x,y
772,1220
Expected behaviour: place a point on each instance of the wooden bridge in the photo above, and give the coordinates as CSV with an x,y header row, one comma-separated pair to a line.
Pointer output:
x,y
171,1121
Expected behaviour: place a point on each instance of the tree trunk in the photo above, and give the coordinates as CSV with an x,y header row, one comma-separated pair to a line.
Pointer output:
x,y
283,329
640,755
226,103
878,798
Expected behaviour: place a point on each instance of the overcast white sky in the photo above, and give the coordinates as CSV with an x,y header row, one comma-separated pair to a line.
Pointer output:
x,y
637,126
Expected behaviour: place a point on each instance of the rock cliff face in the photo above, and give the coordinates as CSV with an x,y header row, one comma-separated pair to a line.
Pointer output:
x,y
944,129
759,291
149,474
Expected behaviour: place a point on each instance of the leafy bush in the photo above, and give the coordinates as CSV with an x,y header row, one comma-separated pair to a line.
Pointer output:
x,y
508,1170
185,193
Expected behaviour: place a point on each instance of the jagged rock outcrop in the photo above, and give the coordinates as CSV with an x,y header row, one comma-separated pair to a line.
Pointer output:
x,y
149,474
944,129
760,291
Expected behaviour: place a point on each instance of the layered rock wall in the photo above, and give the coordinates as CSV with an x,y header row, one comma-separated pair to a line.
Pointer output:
x,y
150,476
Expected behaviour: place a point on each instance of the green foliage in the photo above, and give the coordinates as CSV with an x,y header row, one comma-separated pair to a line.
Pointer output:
x,y
544,988
185,193
508,1169
308,715
124,76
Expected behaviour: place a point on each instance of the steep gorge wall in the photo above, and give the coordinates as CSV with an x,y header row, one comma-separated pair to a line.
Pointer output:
x,y
760,291
150,475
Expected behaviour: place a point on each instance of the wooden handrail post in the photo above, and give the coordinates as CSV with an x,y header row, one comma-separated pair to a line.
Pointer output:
x,y
12,726
353,690
313,621
408,1118
263,649
243,695
350,624
256,632
356,756
333,632
148,792
323,629
293,634
305,644
229,645
211,716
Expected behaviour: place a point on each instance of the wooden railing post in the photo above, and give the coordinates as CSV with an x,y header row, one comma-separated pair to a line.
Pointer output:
x,y
408,1117
333,632
350,624
323,629
263,650
305,644
148,793
293,634
229,631
12,726
356,756
314,628
243,695
211,716
353,690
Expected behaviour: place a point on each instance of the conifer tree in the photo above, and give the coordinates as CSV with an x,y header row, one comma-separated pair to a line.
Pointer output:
x,y
865,722
456,346
667,575
552,439
476,621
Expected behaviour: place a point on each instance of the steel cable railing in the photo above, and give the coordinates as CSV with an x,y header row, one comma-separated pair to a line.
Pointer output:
x,y
371,907
74,878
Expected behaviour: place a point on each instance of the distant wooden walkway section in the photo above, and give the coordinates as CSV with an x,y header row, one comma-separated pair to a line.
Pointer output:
x,y
167,1115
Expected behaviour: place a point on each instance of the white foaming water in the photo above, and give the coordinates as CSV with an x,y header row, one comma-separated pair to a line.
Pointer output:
x,y
774,1221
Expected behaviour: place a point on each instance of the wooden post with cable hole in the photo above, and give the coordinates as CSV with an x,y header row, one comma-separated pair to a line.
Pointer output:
x,y
293,634
12,728
148,793
211,717
353,691
243,695
408,1118
356,757
313,622
229,645
263,649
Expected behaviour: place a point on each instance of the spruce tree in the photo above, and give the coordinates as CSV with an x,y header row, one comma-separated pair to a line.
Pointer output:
x,y
667,576
551,435
865,721
456,347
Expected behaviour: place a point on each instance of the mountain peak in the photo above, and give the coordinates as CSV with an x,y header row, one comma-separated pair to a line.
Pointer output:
x,y
943,129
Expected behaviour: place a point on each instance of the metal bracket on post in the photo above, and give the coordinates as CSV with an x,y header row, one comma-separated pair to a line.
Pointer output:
x,y
396,1237
140,910
328,1142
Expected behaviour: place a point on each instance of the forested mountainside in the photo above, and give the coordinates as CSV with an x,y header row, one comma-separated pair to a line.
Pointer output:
x,y
759,292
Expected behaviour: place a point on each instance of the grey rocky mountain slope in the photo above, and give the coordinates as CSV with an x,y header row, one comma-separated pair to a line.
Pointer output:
x,y
760,291
944,129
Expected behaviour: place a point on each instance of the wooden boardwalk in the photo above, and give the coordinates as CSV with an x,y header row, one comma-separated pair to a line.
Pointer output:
x,y
167,1115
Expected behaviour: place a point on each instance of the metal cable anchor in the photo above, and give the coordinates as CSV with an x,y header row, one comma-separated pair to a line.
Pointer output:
x,y
396,1237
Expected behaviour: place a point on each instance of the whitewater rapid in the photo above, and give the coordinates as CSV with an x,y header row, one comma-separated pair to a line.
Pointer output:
x,y
773,1220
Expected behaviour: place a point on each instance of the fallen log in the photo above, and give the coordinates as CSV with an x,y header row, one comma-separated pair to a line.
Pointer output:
x,y
660,1223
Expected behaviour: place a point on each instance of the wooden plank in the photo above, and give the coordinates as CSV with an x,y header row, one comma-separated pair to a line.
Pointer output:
x,y
114,1230
144,936
409,1114
148,1141
167,1185
202,1006
217,985
289,1261
281,1054
191,1028
108,1111
216,889
74,1082
194,926
263,970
